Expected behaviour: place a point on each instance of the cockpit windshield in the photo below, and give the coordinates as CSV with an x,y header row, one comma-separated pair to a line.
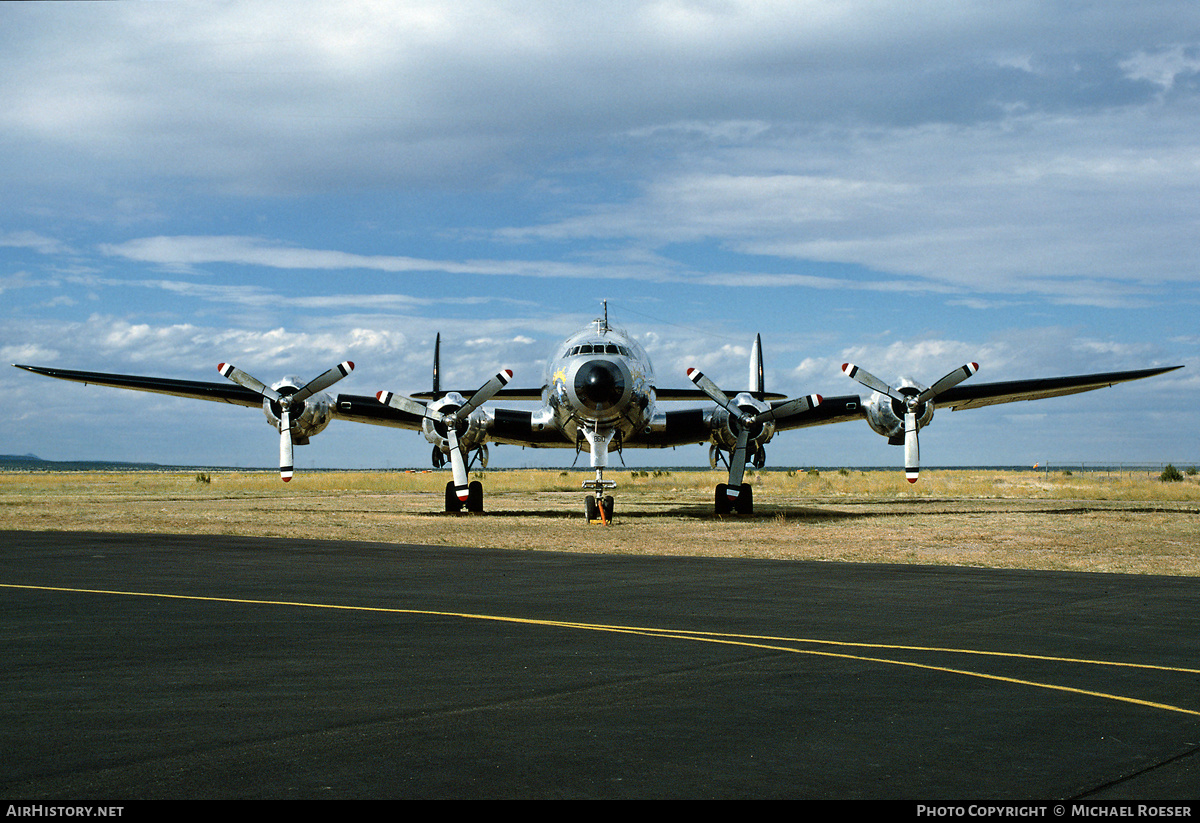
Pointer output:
x,y
597,348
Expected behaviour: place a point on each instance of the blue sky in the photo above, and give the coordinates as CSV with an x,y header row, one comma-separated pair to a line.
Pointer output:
x,y
905,186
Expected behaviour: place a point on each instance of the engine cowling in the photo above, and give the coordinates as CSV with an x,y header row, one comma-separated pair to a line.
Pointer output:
x,y
725,426
886,415
472,431
308,418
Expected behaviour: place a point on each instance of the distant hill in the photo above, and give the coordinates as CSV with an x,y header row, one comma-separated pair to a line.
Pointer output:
x,y
31,462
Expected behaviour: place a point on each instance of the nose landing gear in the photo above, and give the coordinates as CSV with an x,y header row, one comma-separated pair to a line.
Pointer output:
x,y
598,506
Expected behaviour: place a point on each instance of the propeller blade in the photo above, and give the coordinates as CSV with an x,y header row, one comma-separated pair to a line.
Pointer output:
x,y
912,451
869,380
407,404
486,392
710,388
457,466
324,381
246,381
285,443
737,463
948,382
797,404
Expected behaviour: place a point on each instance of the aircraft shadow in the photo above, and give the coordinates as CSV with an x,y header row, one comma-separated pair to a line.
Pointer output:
x,y
695,512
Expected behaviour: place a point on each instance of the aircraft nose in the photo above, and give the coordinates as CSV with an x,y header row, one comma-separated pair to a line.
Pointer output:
x,y
599,384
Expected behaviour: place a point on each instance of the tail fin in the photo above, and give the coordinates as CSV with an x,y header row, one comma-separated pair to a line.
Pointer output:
x,y
437,364
757,381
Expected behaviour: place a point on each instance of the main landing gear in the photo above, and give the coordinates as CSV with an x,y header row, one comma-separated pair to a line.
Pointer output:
x,y
473,503
741,501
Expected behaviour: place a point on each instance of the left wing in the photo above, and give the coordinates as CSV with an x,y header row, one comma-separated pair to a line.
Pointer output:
x,y
850,407
989,394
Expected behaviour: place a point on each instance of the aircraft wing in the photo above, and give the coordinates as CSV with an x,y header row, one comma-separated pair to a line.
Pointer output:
x,y
360,409
968,396
534,395
669,395
220,392
367,409
831,410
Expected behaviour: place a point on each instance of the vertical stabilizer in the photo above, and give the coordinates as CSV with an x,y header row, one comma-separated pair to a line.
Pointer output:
x,y
437,364
757,381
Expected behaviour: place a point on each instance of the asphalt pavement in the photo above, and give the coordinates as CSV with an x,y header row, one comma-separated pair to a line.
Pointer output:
x,y
158,666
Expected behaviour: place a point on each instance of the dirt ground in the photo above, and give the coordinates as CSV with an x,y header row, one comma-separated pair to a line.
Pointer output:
x,y
1001,520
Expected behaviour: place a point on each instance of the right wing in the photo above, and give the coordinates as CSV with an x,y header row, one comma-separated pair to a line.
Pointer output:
x,y
195,389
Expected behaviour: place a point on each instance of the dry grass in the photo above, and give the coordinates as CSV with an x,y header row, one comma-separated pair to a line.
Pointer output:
x,y
1086,522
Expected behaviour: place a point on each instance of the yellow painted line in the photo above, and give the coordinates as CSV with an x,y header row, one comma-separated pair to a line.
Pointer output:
x,y
745,641
983,675
897,647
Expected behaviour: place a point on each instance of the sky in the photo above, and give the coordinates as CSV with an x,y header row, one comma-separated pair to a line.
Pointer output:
x,y
906,186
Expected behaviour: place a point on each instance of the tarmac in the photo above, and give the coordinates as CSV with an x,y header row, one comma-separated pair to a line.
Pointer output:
x,y
193,667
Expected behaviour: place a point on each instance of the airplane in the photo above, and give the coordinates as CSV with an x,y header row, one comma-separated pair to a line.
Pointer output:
x,y
599,394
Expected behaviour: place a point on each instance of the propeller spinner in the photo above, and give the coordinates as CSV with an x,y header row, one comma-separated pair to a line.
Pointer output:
x,y
912,402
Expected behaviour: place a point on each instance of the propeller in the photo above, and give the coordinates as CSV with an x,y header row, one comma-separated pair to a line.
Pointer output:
x,y
285,403
737,458
485,393
912,402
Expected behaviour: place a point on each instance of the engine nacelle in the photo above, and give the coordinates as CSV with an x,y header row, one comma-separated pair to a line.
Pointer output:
x,y
886,415
725,427
308,418
472,432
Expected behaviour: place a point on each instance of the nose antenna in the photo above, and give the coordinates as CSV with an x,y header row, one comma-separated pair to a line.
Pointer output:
x,y
602,325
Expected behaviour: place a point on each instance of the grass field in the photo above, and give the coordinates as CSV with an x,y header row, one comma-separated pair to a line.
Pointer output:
x,y
1004,519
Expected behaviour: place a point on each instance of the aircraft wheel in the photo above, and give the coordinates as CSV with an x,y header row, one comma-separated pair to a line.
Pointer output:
x,y
475,496
745,500
721,500
608,508
590,509
453,504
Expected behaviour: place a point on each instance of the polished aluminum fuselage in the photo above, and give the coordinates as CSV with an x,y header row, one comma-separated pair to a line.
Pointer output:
x,y
599,380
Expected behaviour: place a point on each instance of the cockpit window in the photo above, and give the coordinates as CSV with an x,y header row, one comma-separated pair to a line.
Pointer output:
x,y
611,348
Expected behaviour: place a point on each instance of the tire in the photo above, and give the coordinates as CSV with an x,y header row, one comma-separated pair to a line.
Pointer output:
x,y
475,497
590,509
453,504
608,508
721,500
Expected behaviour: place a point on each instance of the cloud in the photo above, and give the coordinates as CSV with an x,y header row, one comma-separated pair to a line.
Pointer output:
x,y
31,240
